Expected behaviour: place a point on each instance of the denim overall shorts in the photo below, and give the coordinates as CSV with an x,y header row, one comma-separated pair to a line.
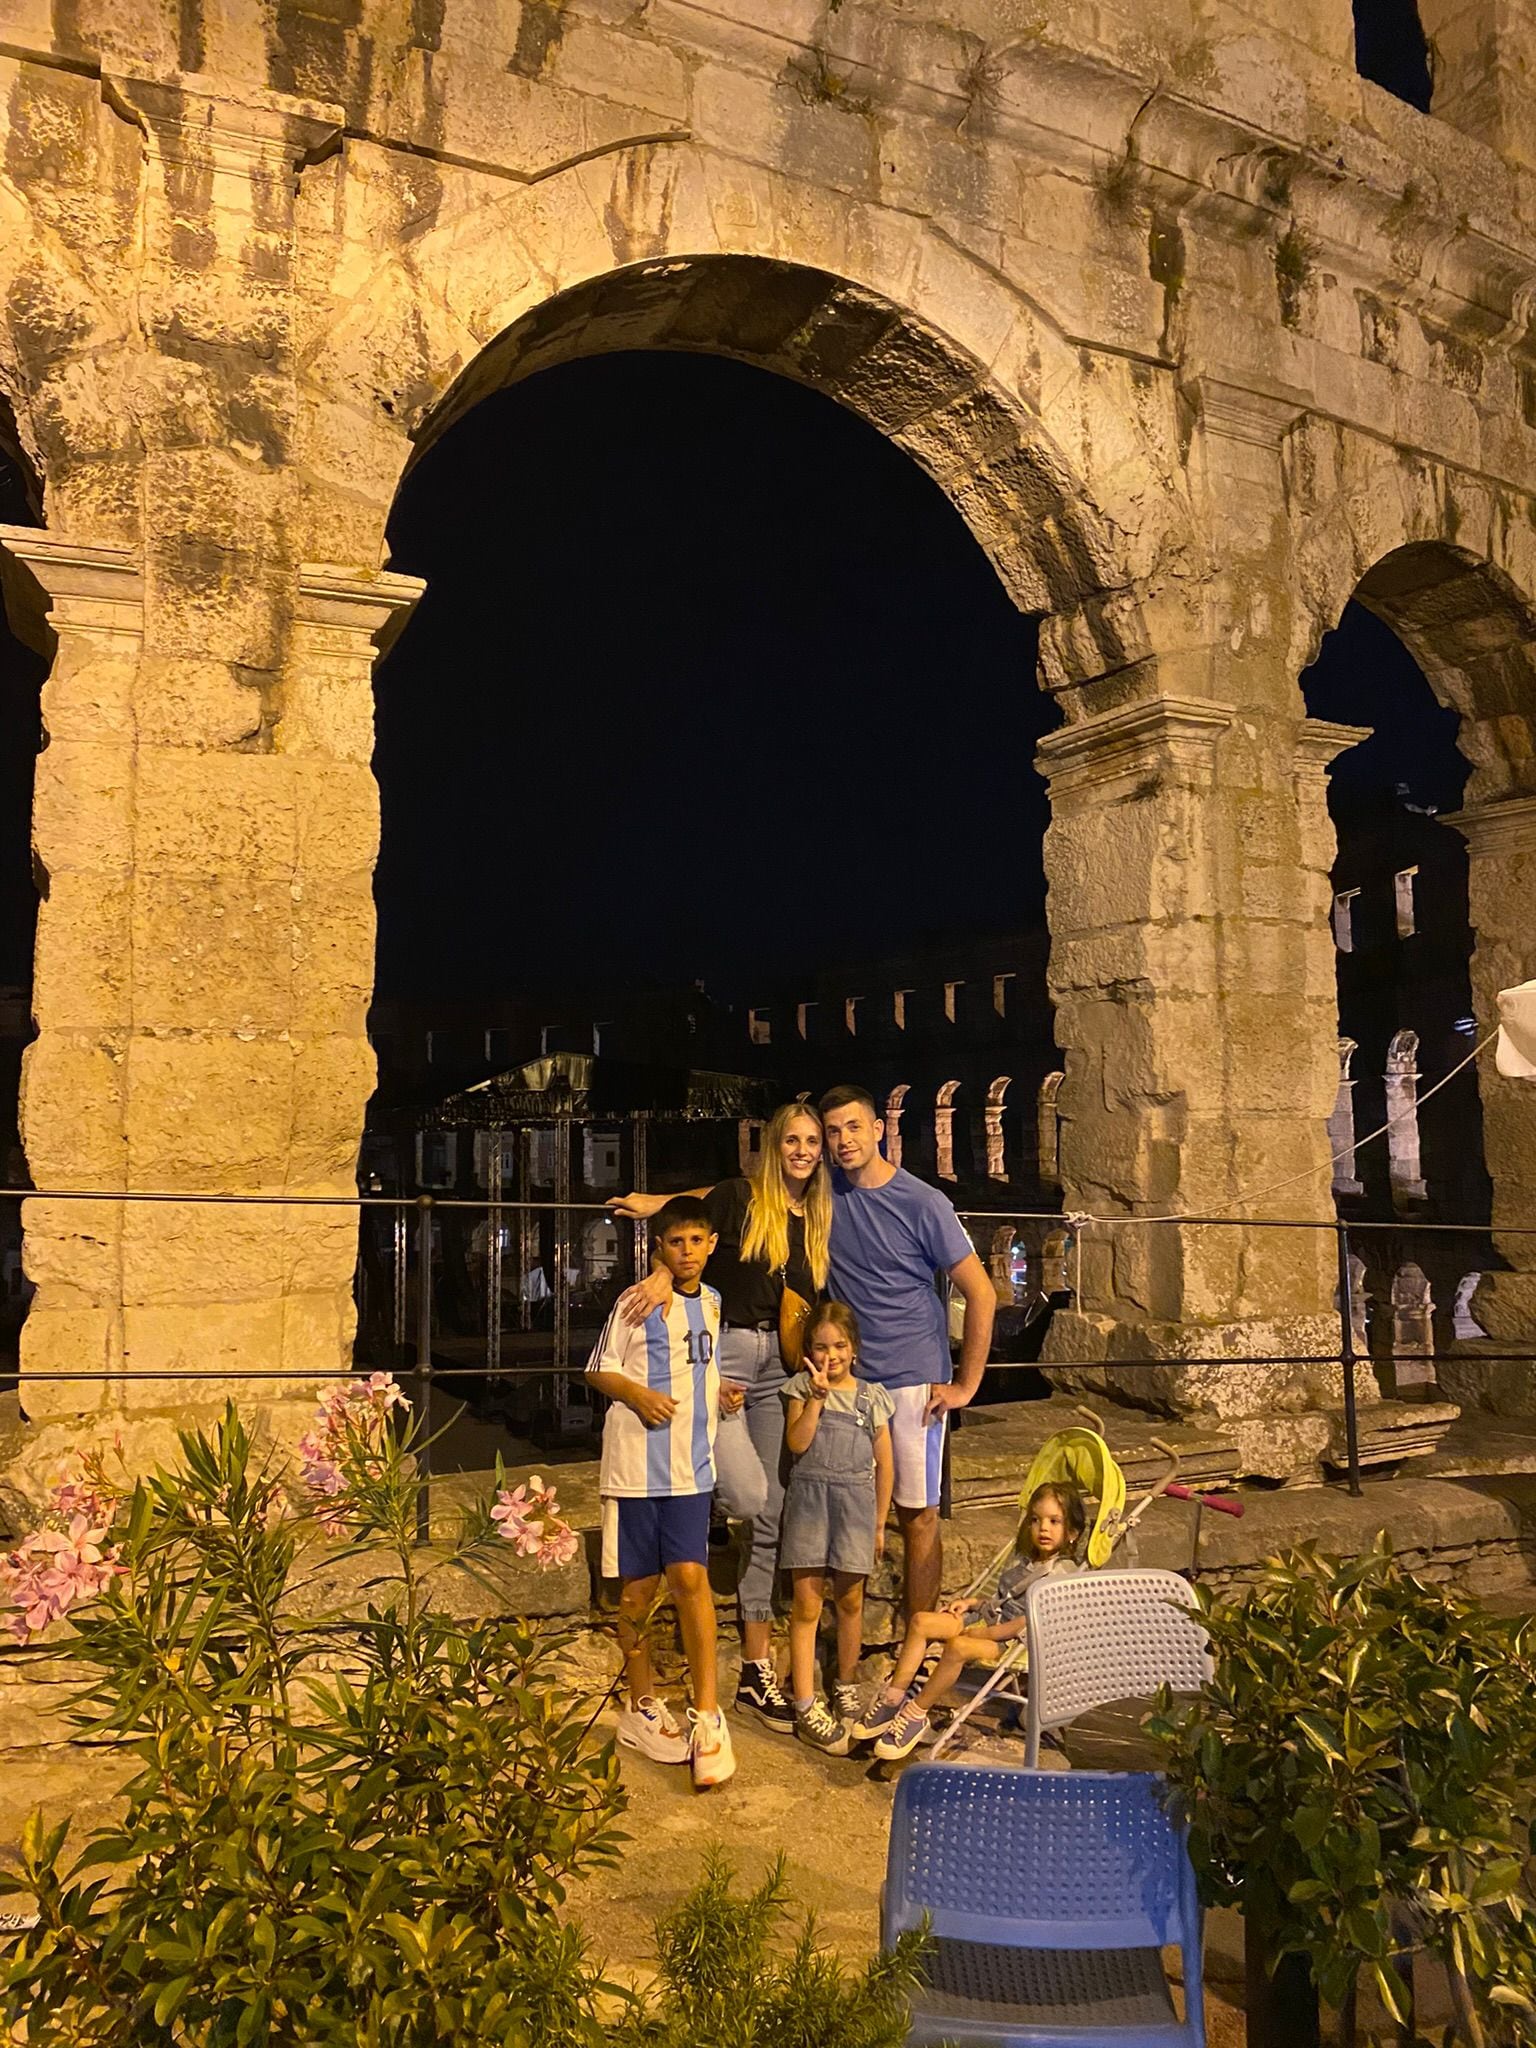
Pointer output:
x,y
829,1506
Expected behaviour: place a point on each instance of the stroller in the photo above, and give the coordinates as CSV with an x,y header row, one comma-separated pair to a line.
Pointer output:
x,y
1077,1457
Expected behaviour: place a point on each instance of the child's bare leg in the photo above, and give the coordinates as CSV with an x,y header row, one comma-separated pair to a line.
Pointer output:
x,y
848,1591
695,1605
922,1631
636,1597
965,1649
804,1620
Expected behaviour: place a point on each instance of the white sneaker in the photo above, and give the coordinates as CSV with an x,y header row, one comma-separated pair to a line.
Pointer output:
x,y
713,1758
651,1728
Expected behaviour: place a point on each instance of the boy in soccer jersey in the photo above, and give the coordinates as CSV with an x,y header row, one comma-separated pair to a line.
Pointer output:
x,y
658,1473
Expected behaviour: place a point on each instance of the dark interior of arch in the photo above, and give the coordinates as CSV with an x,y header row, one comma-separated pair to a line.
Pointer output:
x,y
1392,51
21,676
1386,798
709,680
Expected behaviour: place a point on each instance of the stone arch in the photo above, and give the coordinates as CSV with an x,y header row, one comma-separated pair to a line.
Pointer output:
x,y
895,1102
1048,1130
1447,560
661,245
944,1129
996,1142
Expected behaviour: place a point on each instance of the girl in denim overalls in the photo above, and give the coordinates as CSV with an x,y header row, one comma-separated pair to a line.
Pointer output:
x,y
835,1509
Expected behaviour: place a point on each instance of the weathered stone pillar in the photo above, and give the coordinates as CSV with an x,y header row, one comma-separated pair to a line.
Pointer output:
x,y
1485,72
83,605
208,823
1188,864
1501,890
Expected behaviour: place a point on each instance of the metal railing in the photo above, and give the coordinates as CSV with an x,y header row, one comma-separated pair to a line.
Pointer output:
x,y
479,1289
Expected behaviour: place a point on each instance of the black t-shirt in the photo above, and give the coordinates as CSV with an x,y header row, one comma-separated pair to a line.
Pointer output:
x,y
750,1290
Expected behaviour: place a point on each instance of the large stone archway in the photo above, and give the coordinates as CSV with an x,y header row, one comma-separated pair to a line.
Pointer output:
x,y
1154,339
1463,608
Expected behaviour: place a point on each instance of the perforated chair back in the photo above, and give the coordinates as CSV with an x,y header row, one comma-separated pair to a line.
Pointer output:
x,y
1059,1859
1097,1637
1049,1897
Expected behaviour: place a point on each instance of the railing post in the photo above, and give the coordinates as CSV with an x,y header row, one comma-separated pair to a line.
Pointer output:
x,y
1347,1357
423,1373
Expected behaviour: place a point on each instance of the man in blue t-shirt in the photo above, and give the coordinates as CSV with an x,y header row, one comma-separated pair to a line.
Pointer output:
x,y
892,1236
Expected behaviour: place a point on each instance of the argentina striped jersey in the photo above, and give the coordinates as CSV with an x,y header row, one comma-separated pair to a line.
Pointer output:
x,y
674,1352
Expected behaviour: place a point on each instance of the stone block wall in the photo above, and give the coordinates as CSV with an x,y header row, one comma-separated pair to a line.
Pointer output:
x,y
1200,332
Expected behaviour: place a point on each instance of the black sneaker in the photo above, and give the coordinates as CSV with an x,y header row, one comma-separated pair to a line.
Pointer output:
x,y
843,1699
758,1689
818,1727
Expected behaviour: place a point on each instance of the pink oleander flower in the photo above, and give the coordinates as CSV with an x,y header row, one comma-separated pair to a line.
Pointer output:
x,y
51,1571
348,1431
528,1517
559,1546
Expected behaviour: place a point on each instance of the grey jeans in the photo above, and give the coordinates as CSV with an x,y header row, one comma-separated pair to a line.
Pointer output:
x,y
749,1459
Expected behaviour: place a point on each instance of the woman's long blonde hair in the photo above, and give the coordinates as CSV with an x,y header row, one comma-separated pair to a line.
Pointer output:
x,y
765,1235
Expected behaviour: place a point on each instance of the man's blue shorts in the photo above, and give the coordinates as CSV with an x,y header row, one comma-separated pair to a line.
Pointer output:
x,y
642,1537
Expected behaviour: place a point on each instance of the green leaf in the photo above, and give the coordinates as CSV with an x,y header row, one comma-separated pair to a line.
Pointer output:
x,y
169,2001
1320,1733
1392,1992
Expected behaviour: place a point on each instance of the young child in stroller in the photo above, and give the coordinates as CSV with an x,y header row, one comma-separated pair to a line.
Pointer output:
x,y
973,1631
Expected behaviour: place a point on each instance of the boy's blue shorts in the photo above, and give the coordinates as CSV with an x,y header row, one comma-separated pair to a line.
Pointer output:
x,y
642,1537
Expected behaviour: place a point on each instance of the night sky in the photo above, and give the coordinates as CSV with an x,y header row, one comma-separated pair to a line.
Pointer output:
x,y
709,680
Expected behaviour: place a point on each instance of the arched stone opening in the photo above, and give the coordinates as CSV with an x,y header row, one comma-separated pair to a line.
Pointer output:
x,y
1051,549
1149,1111
944,1131
994,1135
1470,631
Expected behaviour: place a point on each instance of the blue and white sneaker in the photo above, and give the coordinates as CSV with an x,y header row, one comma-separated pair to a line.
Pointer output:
x,y
881,1713
904,1734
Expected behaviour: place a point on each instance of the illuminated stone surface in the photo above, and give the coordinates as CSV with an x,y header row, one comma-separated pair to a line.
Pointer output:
x,y
1195,327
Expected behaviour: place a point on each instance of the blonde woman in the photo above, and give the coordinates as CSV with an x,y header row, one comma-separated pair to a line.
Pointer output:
x,y
773,1228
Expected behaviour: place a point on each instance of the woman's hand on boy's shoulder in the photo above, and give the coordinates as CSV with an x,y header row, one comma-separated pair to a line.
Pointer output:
x,y
645,1297
636,1206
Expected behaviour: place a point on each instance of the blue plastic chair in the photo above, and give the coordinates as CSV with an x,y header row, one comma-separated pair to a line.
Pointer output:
x,y
1049,1895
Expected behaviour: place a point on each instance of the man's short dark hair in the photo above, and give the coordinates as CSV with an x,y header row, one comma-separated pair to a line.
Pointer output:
x,y
681,1209
845,1096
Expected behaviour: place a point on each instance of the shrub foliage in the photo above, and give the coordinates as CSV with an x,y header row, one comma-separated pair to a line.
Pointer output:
x,y
1360,1779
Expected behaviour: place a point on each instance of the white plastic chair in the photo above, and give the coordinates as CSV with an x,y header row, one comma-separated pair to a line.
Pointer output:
x,y
1105,1636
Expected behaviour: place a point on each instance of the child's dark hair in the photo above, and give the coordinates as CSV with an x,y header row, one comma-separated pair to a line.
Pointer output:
x,y
680,1209
1073,1511
840,1316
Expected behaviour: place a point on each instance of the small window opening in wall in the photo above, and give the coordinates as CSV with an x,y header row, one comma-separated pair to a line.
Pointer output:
x,y
899,1007
949,999
851,1015
803,1018
1391,50
1403,891
759,1027
1000,993
1344,920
